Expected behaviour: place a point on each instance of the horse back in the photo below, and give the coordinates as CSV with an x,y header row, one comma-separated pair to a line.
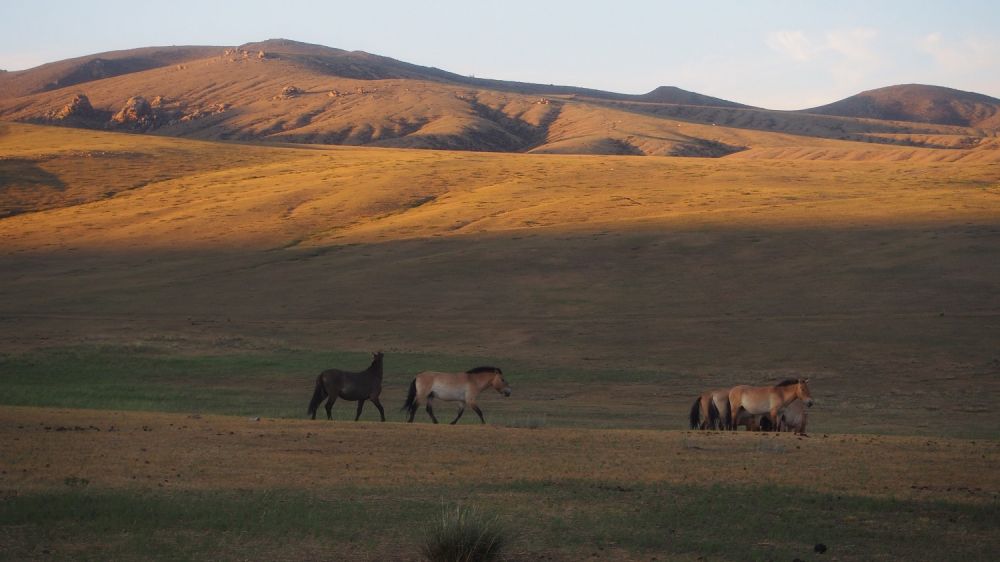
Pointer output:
x,y
351,386
754,399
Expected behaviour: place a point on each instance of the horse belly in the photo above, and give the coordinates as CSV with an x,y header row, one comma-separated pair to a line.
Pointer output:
x,y
756,404
448,393
353,390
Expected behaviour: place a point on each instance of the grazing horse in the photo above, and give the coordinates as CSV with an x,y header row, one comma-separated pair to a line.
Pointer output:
x,y
793,418
707,408
766,399
334,383
454,387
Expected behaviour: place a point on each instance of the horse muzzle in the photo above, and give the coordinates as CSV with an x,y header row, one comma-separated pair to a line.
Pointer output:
x,y
809,403
506,392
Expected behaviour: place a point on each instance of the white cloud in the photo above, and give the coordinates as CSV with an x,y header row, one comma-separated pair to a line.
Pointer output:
x,y
792,44
855,59
853,44
968,55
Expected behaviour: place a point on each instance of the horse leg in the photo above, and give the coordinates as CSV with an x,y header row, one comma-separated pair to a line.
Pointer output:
x,y
413,411
461,410
361,405
774,419
475,408
430,411
329,406
378,404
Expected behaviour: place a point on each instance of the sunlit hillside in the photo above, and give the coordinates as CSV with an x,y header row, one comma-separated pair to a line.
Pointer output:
x,y
284,91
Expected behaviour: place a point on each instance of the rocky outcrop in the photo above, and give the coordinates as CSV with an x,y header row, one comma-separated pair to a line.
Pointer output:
x,y
136,115
78,107
289,92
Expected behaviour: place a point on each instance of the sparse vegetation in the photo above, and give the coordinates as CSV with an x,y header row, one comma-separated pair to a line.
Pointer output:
x,y
465,534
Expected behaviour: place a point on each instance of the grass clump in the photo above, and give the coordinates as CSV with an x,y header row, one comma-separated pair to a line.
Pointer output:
x,y
465,534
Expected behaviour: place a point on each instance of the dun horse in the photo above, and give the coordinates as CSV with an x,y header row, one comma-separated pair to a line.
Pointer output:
x,y
334,383
707,408
454,387
766,399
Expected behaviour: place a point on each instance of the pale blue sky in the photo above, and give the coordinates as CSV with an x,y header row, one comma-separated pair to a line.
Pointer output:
x,y
780,54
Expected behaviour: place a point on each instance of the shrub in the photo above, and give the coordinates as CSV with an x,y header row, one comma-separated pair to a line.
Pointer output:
x,y
465,535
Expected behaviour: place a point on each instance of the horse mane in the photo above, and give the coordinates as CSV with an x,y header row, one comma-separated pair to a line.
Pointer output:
x,y
475,370
788,382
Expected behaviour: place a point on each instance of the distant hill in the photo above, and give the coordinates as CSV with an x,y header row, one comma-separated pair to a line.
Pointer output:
x,y
71,72
920,104
287,91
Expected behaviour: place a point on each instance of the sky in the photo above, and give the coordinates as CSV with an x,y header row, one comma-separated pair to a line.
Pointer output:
x,y
778,54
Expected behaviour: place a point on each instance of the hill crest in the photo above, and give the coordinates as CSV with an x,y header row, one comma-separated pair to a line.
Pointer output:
x,y
918,103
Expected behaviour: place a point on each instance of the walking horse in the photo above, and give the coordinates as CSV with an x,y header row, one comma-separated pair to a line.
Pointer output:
x,y
454,387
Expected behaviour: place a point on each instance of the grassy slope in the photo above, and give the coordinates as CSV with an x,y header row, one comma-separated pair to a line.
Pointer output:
x,y
877,279
609,289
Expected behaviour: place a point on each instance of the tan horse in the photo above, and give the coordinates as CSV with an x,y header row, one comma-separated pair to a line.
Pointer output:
x,y
707,409
766,399
454,387
794,418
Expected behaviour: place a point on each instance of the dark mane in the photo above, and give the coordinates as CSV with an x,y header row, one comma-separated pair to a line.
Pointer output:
x,y
475,370
788,382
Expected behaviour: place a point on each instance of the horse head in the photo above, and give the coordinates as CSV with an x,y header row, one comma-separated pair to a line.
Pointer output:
x,y
802,392
500,384
377,359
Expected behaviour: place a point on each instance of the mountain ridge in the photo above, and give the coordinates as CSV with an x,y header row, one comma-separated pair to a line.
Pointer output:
x,y
280,90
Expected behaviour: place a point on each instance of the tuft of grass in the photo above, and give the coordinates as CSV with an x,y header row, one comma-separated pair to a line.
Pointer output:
x,y
464,534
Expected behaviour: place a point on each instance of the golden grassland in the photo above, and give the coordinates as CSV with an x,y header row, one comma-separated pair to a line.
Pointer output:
x,y
879,279
651,277
198,195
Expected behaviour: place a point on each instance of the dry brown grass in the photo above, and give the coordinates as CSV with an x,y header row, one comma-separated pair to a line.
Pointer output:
x,y
119,450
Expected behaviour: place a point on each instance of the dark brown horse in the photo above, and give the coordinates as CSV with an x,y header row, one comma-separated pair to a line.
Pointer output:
x,y
334,383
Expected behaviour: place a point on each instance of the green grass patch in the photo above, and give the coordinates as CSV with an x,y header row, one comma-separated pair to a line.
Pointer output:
x,y
561,519
272,384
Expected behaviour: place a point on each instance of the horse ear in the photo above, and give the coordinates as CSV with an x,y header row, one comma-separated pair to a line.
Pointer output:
x,y
805,380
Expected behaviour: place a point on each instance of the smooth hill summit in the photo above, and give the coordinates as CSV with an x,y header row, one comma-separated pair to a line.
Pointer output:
x,y
919,103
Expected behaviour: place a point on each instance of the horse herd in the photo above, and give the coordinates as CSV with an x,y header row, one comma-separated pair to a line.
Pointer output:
x,y
780,407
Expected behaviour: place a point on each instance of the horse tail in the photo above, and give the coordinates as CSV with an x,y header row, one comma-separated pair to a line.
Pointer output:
x,y
713,414
411,397
696,413
318,395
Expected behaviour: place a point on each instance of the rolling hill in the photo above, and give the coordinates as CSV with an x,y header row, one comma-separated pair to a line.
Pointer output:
x,y
919,103
286,91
